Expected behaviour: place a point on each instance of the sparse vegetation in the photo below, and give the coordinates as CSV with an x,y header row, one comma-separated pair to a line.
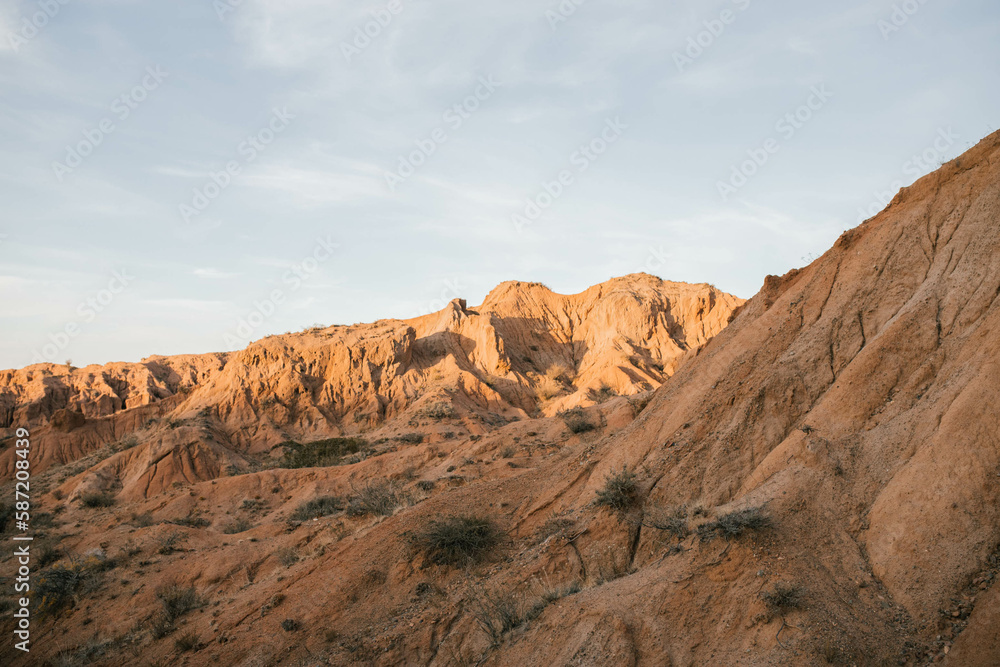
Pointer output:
x,y
191,522
576,420
178,600
439,410
290,625
426,485
168,543
317,507
58,586
321,453
498,612
639,403
602,393
376,498
620,492
508,452
458,540
238,526
608,565
782,598
287,556
673,520
735,523
410,438
144,520
96,499
188,642
550,595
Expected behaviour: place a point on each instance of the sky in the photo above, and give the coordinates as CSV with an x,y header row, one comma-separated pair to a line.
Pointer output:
x,y
187,177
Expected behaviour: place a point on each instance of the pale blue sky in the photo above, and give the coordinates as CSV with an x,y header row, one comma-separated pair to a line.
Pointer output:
x,y
331,120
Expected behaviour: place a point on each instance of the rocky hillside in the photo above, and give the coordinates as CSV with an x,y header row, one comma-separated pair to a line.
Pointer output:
x,y
818,483
524,352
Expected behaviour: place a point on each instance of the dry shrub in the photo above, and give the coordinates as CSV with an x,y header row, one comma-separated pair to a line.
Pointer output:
x,y
459,540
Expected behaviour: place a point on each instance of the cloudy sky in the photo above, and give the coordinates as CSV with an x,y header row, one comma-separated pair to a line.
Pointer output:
x,y
187,176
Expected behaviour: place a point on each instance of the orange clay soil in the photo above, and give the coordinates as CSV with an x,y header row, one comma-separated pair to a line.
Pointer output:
x,y
816,483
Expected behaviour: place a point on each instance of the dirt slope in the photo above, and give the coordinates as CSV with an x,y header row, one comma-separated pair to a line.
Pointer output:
x,y
818,484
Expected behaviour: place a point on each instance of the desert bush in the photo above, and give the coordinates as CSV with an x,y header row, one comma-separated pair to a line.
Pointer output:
x,y
56,587
498,612
620,492
673,520
237,526
576,420
555,526
252,505
273,602
188,642
458,540
88,653
550,595
439,410
410,438
47,555
95,499
178,600
287,556
321,453
782,598
144,520
128,442
191,522
602,393
639,403
559,373
168,543
735,523
508,452
426,485
317,507
376,498
290,625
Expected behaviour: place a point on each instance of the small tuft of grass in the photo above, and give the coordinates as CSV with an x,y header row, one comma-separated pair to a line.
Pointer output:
x,y
321,453
287,556
188,642
191,522
96,499
317,507
620,492
576,420
602,393
459,540
736,523
178,600
375,499
498,612
168,543
782,598
238,526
